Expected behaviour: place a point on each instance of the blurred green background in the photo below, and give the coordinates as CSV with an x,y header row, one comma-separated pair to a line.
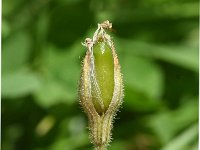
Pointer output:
x,y
157,45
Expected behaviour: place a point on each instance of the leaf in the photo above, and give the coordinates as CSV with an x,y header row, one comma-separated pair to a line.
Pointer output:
x,y
16,50
183,56
70,143
19,84
5,29
142,75
52,93
182,141
9,6
118,145
139,101
167,124
60,74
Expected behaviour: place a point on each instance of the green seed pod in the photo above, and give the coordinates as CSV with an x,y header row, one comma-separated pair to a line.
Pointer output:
x,y
104,71
101,87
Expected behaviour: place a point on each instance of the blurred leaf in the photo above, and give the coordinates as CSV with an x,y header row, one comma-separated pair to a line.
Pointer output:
x,y
19,84
139,101
137,11
13,133
16,50
117,145
42,27
69,1
53,93
182,141
193,38
60,73
143,75
9,6
66,29
186,57
70,143
174,10
76,125
167,124
195,146
45,125
5,29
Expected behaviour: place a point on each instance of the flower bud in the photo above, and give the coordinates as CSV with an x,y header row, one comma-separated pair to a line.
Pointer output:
x,y
101,87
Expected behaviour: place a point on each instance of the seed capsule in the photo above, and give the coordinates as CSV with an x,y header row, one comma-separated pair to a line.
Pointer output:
x,y
101,87
104,71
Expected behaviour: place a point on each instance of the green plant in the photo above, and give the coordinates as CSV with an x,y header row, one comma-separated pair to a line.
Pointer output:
x,y
101,87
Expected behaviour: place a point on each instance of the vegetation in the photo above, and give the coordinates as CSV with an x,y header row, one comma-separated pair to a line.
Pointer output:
x,y
157,45
101,85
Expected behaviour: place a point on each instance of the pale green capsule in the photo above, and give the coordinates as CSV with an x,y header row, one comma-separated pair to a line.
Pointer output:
x,y
104,74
